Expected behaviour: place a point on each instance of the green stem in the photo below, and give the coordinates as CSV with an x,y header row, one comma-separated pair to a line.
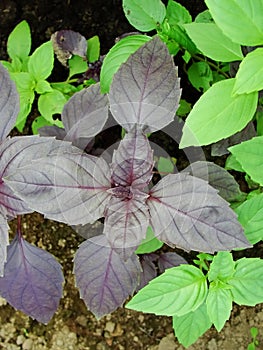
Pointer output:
x,y
68,81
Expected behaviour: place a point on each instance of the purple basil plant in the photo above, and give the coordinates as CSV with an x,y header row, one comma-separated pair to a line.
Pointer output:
x,y
76,188
28,275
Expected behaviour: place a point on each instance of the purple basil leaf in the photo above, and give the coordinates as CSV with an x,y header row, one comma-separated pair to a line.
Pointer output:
x,y
145,90
85,114
188,213
170,259
9,103
11,204
3,243
103,278
217,177
60,134
33,280
126,222
221,147
70,188
149,270
18,152
67,43
132,162
53,131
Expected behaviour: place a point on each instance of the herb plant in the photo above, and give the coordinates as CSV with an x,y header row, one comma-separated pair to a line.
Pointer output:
x,y
30,72
189,210
30,275
76,188
197,299
255,343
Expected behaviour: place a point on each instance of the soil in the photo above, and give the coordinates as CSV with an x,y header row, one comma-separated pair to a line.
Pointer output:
x,y
73,327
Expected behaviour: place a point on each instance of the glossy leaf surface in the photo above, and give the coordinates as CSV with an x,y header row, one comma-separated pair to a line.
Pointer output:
x,y
219,306
248,29
211,41
51,103
249,73
19,41
177,291
41,61
176,13
188,328
219,112
247,283
250,215
249,155
222,267
146,15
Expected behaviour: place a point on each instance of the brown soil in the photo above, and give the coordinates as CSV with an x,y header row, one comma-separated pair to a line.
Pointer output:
x,y
73,327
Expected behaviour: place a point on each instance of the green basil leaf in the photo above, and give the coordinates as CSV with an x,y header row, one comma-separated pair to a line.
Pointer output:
x,y
41,62
240,20
249,75
200,75
149,244
250,215
19,41
176,13
188,328
77,65
51,103
219,306
178,291
144,15
222,267
165,165
247,282
93,50
218,114
211,41
43,86
249,155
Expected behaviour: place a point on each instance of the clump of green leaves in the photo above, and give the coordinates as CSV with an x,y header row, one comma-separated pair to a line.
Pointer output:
x,y
199,297
255,343
31,71
229,105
